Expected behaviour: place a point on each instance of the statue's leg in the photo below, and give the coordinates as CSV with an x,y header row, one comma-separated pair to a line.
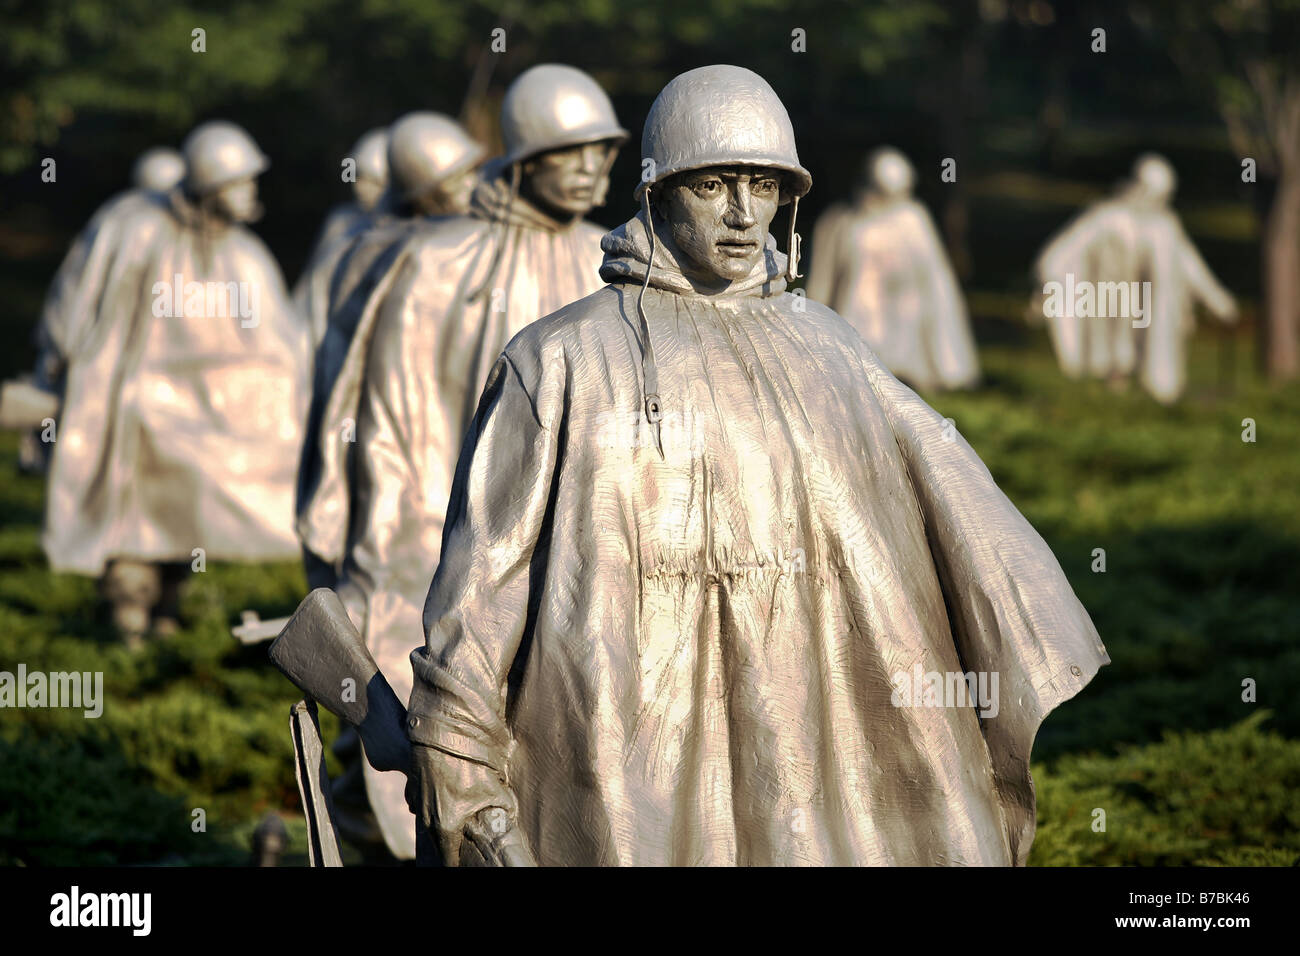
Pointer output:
x,y
167,613
131,588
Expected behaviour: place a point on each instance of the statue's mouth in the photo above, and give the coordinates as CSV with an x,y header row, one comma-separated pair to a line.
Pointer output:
x,y
737,247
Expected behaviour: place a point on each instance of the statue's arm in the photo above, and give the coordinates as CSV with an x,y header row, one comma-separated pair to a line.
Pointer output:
x,y
1201,282
478,603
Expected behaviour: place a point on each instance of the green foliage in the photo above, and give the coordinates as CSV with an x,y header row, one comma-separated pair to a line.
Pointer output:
x,y
131,57
1243,55
1201,533
1224,798
195,720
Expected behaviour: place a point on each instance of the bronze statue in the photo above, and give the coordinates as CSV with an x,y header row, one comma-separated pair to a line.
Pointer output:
x,y
1120,283
158,169
26,403
881,265
369,156
697,540
434,165
428,321
183,370
431,165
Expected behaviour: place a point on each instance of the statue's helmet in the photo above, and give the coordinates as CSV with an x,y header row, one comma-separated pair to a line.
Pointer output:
x,y
370,153
218,153
426,148
721,116
158,169
888,172
1155,175
552,106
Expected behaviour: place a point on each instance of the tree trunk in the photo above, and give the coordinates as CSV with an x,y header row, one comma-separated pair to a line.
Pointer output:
x,y
1281,285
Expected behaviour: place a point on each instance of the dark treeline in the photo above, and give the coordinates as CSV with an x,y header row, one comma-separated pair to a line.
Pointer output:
x,y
1013,90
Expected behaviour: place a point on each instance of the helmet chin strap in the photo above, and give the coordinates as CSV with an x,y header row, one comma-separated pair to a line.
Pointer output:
x,y
649,372
795,244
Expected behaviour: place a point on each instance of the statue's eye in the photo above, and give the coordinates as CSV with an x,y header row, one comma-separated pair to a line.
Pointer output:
x,y
706,188
765,187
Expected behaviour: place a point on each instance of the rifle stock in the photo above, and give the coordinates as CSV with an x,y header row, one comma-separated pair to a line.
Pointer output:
x,y
323,654
23,405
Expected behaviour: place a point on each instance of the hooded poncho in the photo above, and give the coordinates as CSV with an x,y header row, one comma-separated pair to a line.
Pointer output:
x,y
311,294
883,268
1129,239
688,656
439,309
361,278
180,426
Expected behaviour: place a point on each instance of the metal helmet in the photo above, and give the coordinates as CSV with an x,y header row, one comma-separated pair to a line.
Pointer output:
x,y
370,153
217,153
721,116
158,169
889,172
424,149
1154,174
551,106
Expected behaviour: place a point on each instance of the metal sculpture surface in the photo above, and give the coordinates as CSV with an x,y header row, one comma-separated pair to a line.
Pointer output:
x,y
699,544
427,322
183,369
1120,285
881,265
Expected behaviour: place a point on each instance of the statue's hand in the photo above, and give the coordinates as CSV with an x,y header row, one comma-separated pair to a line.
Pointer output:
x,y
468,807
493,838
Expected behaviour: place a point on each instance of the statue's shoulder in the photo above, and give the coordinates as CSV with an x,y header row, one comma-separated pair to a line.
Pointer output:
x,y
590,232
249,243
914,210
136,210
583,323
818,321
131,201
804,309
446,237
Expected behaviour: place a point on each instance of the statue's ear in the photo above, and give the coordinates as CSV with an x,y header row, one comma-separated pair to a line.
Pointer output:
x,y
661,193
658,200
786,187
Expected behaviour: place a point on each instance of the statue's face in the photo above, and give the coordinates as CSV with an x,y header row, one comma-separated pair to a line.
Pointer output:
x,y
368,192
454,192
1157,180
568,182
450,197
892,175
719,218
237,201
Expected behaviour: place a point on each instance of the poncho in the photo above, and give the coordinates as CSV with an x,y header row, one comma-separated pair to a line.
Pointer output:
x,y
441,309
183,396
685,648
1126,240
361,278
311,294
883,268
